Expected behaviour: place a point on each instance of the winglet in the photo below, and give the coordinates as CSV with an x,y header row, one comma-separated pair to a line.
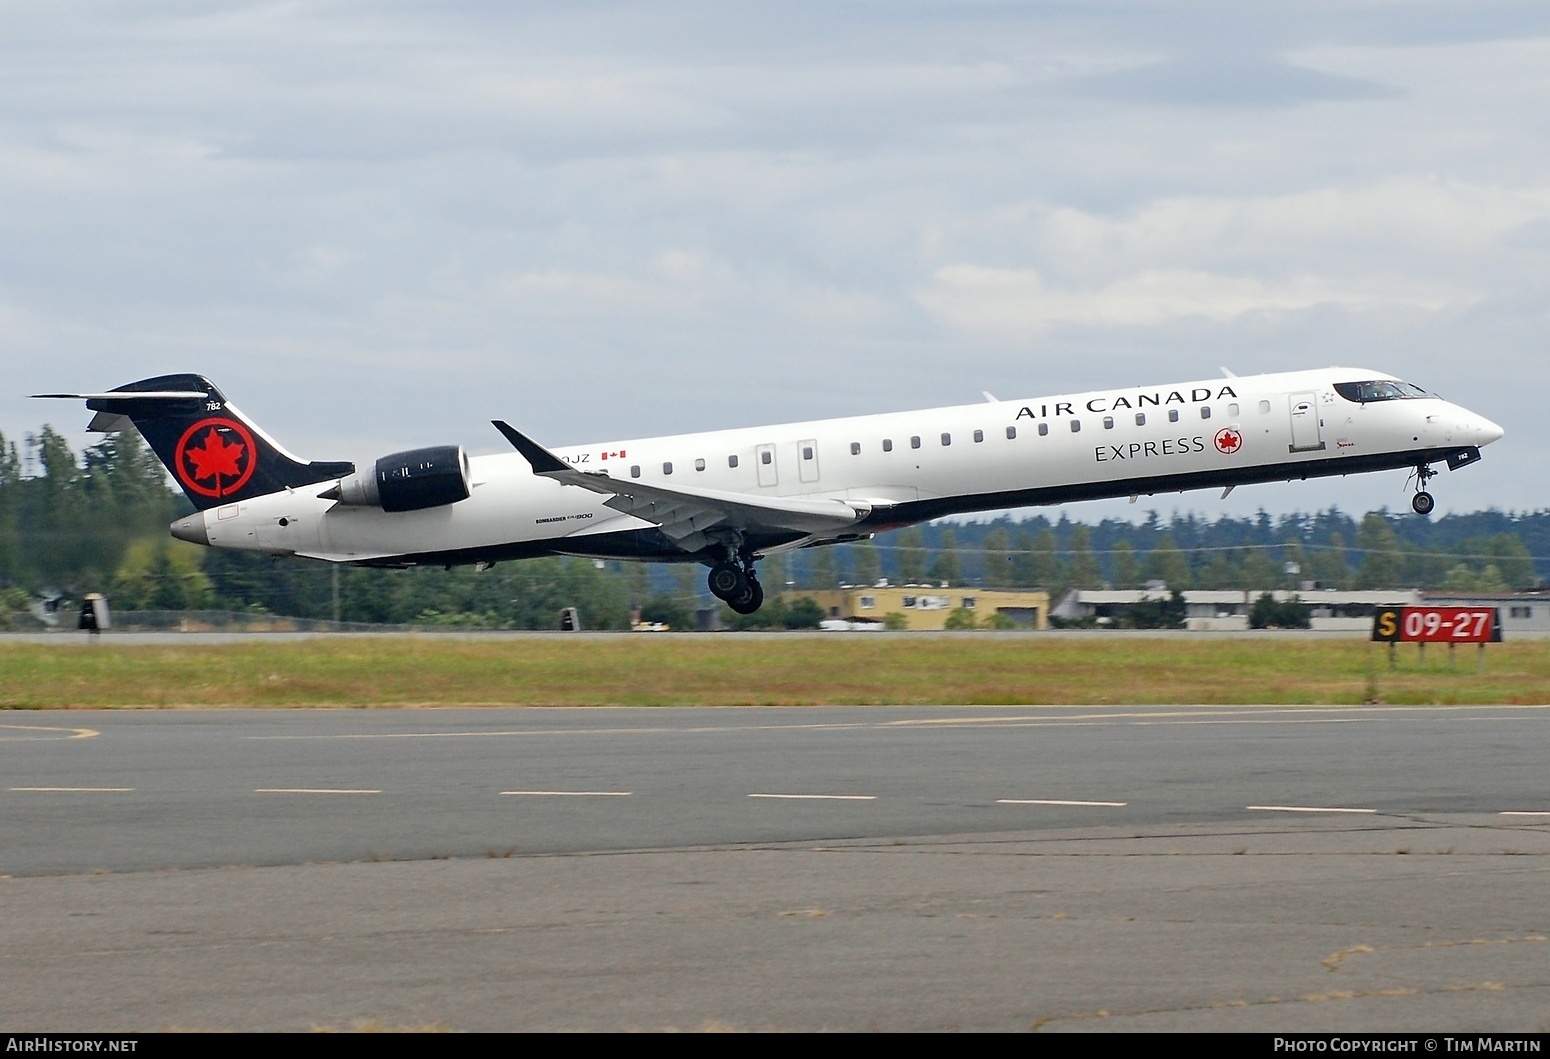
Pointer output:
x,y
543,461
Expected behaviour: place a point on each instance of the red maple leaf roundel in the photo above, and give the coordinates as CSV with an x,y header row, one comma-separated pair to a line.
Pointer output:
x,y
215,457
1228,441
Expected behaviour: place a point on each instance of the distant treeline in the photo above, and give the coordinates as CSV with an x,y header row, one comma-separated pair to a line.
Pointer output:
x,y
97,521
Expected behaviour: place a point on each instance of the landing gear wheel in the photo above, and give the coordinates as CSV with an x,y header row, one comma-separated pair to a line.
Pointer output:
x,y
750,600
1422,503
727,582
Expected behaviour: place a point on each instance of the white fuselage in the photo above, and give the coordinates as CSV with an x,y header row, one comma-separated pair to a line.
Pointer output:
x,y
908,466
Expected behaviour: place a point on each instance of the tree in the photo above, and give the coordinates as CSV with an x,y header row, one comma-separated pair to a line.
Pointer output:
x,y
1291,556
1167,564
803,613
946,568
1126,571
1508,554
960,620
1328,564
1037,565
911,550
1259,571
1084,569
868,564
1382,563
998,566
1268,614
820,568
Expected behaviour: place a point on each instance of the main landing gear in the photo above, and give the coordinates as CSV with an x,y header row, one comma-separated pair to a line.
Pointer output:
x,y
1423,502
735,583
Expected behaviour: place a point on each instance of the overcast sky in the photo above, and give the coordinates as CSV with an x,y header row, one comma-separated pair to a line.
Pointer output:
x,y
378,225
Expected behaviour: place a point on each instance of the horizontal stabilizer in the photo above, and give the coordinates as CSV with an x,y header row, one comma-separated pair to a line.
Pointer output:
x,y
127,395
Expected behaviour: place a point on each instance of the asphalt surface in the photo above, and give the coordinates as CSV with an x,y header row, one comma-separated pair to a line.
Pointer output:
x,y
839,867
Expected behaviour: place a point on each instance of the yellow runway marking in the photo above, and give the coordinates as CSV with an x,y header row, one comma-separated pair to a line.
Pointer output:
x,y
314,790
1057,801
74,790
73,733
1070,717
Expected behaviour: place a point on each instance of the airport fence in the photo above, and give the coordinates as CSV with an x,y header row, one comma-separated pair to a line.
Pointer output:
x,y
199,621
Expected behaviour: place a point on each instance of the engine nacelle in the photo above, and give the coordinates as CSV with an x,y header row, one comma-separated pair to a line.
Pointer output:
x,y
408,481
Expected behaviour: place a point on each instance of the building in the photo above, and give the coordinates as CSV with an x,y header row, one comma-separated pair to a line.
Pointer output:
x,y
1522,613
927,607
1210,610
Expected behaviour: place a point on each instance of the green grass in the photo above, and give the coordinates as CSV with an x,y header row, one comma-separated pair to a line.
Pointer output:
x,y
973,668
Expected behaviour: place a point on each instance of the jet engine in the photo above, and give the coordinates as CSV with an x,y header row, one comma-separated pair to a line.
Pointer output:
x,y
408,481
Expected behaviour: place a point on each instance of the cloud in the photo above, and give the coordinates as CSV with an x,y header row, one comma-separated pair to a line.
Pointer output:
x,y
1017,302
738,213
1226,79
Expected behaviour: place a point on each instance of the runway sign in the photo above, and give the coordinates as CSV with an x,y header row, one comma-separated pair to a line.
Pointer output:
x,y
1437,625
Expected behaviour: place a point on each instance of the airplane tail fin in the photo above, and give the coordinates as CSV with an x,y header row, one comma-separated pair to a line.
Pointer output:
x,y
216,454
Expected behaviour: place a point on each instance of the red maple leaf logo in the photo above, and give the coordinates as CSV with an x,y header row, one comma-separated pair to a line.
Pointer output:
x,y
1227,441
216,459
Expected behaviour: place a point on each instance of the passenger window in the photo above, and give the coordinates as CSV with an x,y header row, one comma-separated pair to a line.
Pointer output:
x,y
807,452
1076,426
1232,411
1205,411
947,439
1043,429
667,468
699,465
1140,419
915,442
888,444
1108,422
1264,408
731,461
855,448
1173,415
766,458
635,471
979,436
1011,432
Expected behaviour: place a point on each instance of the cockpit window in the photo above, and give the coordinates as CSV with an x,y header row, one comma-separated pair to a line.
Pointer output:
x,y
1380,390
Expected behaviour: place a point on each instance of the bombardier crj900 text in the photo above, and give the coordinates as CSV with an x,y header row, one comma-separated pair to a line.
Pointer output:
x,y
726,498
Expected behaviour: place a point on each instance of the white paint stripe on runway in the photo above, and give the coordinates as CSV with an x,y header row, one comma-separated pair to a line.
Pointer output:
x,y
1306,809
74,790
315,790
572,794
819,797
1057,801
1525,812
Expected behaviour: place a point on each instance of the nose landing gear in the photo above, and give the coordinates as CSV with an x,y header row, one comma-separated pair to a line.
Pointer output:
x,y
736,584
1423,502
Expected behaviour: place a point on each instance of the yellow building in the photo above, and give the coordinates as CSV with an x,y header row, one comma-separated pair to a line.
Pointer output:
x,y
929,606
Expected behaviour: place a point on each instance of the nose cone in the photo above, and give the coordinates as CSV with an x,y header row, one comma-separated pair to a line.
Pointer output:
x,y
1487,431
192,529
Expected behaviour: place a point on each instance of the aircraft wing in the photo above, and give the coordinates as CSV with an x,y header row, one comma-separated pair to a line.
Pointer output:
x,y
685,513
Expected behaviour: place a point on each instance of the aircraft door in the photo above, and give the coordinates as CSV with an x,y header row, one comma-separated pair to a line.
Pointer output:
x,y
807,460
764,456
1306,436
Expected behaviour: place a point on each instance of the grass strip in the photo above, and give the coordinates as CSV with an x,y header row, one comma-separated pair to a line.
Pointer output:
x,y
794,670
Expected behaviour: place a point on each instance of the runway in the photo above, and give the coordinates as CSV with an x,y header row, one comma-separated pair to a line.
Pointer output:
x,y
837,867
133,790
